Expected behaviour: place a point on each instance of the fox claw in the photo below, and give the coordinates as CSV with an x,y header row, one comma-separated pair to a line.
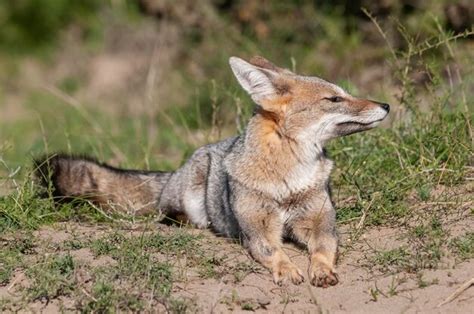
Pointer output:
x,y
287,271
323,277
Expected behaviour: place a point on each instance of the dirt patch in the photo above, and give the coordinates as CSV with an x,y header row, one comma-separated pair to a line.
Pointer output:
x,y
361,290
236,283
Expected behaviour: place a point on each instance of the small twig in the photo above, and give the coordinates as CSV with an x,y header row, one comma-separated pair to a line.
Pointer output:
x,y
382,33
100,211
444,168
458,292
88,294
215,123
14,283
429,46
364,215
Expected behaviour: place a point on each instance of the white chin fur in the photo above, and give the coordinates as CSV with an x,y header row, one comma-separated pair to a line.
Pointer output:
x,y
326,128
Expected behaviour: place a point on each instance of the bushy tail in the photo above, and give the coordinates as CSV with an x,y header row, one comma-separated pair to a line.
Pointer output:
x,y
70,177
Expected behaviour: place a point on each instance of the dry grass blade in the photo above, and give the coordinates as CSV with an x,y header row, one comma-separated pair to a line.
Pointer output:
x,y
458,292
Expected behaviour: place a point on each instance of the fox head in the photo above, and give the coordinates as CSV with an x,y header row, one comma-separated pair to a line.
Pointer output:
x,y
305,107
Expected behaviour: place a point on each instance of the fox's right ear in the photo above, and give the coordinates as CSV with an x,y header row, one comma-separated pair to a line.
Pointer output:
x,y
255,80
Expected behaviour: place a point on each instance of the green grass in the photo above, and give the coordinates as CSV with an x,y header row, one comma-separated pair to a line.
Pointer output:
x,y
141,264
51,277
12,254
134,261
385,166
9,260
24,209
49,18
398,257
463,246
107,298
424,245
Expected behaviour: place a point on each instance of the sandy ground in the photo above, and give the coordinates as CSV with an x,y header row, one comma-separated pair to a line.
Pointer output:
x,y
254,290
351,295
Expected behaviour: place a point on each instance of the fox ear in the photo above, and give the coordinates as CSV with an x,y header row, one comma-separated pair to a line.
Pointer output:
x,y
255,80
261,62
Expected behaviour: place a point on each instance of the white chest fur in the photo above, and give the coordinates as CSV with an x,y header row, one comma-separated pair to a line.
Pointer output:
x,y
300,178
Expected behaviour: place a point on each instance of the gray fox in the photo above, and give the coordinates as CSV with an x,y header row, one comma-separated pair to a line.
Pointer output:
x,y
270,183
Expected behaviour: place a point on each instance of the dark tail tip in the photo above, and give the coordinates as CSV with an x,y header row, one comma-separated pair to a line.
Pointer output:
x,y
51,171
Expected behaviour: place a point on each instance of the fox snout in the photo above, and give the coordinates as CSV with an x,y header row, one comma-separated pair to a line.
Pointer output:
x,y
360,106
382,105
368,115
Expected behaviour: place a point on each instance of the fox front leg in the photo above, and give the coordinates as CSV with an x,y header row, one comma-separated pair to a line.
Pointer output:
x,y
262,234
316,229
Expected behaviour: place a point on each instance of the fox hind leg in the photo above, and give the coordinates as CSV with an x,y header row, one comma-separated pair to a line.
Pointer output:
x,y
194,207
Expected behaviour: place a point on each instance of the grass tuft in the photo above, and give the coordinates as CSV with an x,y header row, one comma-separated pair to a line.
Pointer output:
x,y
51,277
463,246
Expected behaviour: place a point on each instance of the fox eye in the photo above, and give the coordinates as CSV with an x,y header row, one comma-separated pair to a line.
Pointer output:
x,y
335,99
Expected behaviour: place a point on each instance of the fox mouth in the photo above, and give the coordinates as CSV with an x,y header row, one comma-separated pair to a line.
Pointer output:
x,y
357,123
351,127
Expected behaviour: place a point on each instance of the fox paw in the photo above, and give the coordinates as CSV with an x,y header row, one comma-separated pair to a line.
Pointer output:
x,y
323,276
287,271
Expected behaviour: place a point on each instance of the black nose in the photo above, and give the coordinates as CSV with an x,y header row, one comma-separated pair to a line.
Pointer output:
x,y
385,107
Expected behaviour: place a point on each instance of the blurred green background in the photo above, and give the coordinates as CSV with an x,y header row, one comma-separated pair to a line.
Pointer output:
x,y
142,83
